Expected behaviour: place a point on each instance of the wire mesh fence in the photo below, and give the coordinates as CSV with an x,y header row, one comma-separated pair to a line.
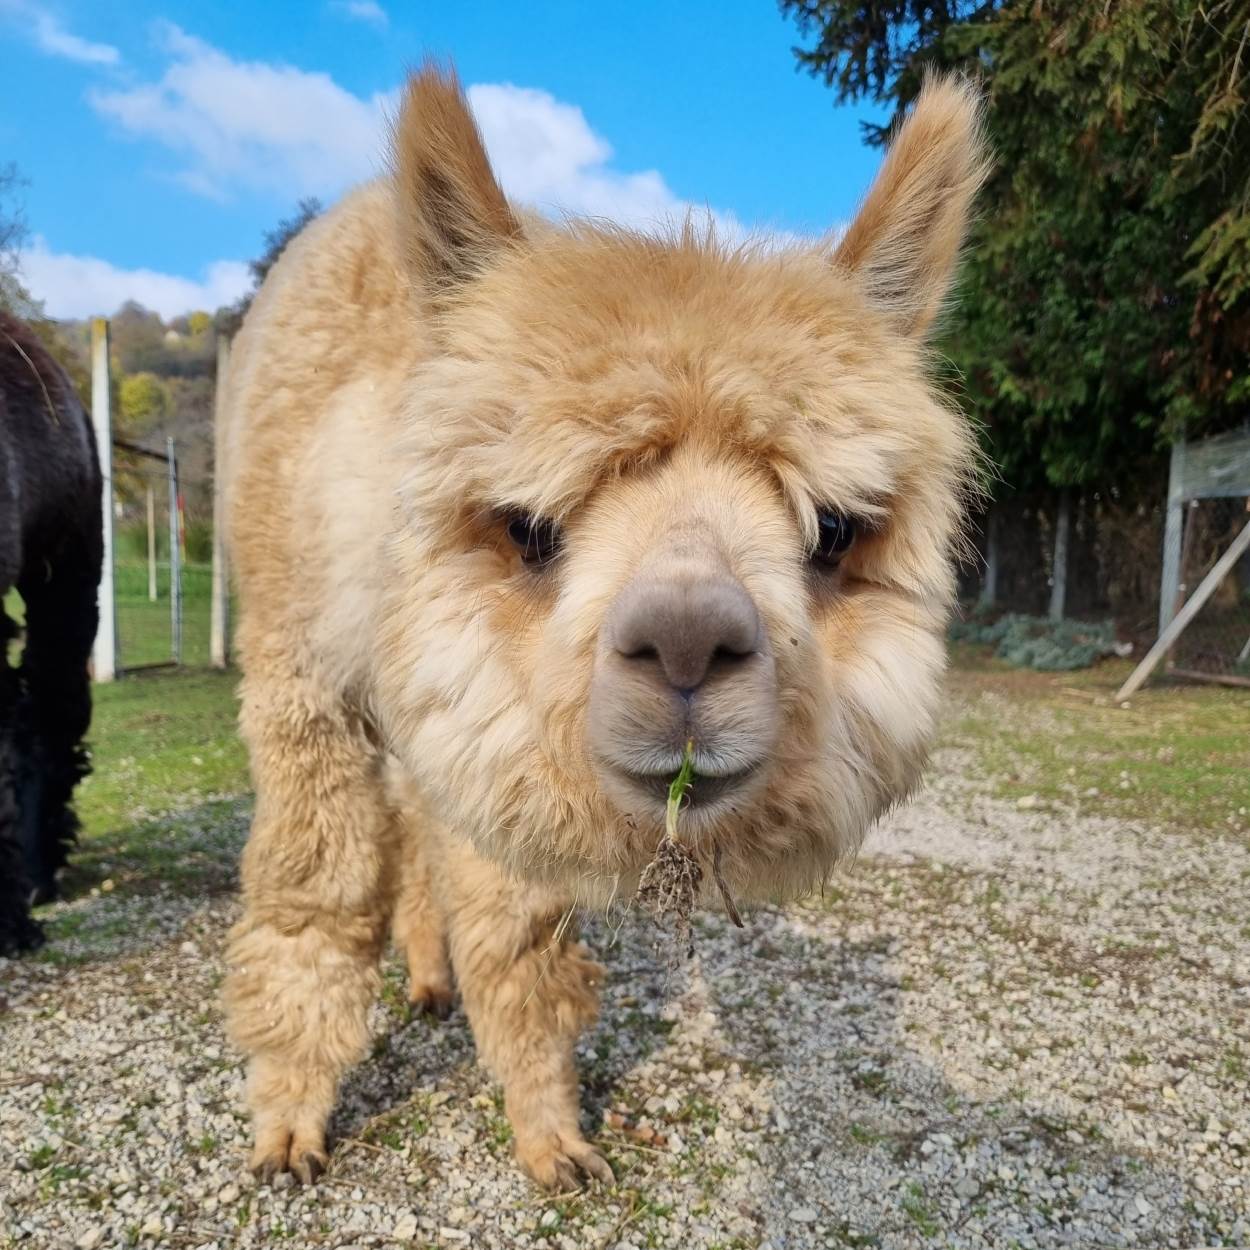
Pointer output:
x,y
1217,640
162,565
1113,559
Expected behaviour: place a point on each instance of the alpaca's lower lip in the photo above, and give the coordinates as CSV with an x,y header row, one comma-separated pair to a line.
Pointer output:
x,y
703,791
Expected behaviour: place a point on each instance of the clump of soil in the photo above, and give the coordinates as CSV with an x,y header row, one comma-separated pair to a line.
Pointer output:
x,y
668,887
670,883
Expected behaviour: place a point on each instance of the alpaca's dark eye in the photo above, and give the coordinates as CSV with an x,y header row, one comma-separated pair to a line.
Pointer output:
x,y
835,535
537,540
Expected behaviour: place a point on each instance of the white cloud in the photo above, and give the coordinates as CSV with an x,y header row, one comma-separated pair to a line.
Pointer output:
x,y
50,35
364,11
85,286
252,125
546,154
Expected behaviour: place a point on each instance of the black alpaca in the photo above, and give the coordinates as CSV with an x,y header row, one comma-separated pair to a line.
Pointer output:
x,y
51,551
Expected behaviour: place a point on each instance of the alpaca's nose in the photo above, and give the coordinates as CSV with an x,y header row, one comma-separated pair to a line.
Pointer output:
x,y
685,630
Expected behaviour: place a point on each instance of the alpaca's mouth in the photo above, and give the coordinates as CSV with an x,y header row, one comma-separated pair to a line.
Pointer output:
x,y
704,791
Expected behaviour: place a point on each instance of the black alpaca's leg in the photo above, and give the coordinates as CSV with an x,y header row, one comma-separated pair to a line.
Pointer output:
x,y
61,616
18,931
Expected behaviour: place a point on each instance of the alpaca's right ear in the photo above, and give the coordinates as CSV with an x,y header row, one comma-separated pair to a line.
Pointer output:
x,y
453,216
904,243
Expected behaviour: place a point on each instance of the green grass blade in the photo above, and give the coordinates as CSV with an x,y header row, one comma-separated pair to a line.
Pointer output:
x,y
677,790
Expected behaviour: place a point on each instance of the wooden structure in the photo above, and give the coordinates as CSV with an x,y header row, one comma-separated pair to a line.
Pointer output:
x,y
1216,468
104,650
219,628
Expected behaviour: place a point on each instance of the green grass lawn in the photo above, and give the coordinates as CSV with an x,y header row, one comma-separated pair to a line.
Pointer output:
x,y
160,742
161,809
1177,755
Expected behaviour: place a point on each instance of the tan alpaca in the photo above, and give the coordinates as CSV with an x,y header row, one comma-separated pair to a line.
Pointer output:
x,y
515,510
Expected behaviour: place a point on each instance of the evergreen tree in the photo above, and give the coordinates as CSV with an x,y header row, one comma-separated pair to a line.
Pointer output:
x,y
1106,299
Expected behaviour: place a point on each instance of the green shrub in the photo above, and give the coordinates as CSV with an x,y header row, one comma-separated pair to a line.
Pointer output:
x,y
131,542
1038,642
199,542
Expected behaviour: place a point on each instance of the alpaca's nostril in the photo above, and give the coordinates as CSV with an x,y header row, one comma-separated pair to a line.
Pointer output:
x,y
686,630
644,652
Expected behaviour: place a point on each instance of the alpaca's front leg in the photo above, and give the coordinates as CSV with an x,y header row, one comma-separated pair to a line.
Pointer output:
x,y
317,886
529,988
420,927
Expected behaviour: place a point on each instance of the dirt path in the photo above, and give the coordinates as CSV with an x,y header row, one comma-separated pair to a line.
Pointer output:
x,y
1002,1027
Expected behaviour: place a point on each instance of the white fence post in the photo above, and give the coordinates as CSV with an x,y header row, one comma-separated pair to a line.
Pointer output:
x,y
104,650
219,627
175,556
151,543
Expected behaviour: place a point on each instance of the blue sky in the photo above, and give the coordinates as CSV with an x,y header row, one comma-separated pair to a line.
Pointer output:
x,y
161,138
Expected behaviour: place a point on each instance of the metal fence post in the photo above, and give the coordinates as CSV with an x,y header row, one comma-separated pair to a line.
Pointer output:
x,y
104,650
1169,586
219,625
1059,579
175,557
989,587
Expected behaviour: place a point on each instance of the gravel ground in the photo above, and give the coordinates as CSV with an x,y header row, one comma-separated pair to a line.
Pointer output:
x,y
1004,1026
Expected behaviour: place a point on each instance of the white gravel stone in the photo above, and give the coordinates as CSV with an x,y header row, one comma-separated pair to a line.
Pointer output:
x,y
1001,1025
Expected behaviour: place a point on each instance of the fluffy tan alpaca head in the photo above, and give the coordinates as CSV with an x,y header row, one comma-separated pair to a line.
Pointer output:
x,y
661,490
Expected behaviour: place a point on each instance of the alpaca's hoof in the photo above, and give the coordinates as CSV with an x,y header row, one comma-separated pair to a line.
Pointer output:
x,y
44,892
304,1163
21,936
559,1163
308,1167
432,1000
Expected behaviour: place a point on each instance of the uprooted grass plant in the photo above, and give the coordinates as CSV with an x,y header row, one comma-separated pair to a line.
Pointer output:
x,y
670,883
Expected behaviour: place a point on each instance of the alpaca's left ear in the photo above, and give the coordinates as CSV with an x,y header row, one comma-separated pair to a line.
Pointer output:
x,y
453,216
904,242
